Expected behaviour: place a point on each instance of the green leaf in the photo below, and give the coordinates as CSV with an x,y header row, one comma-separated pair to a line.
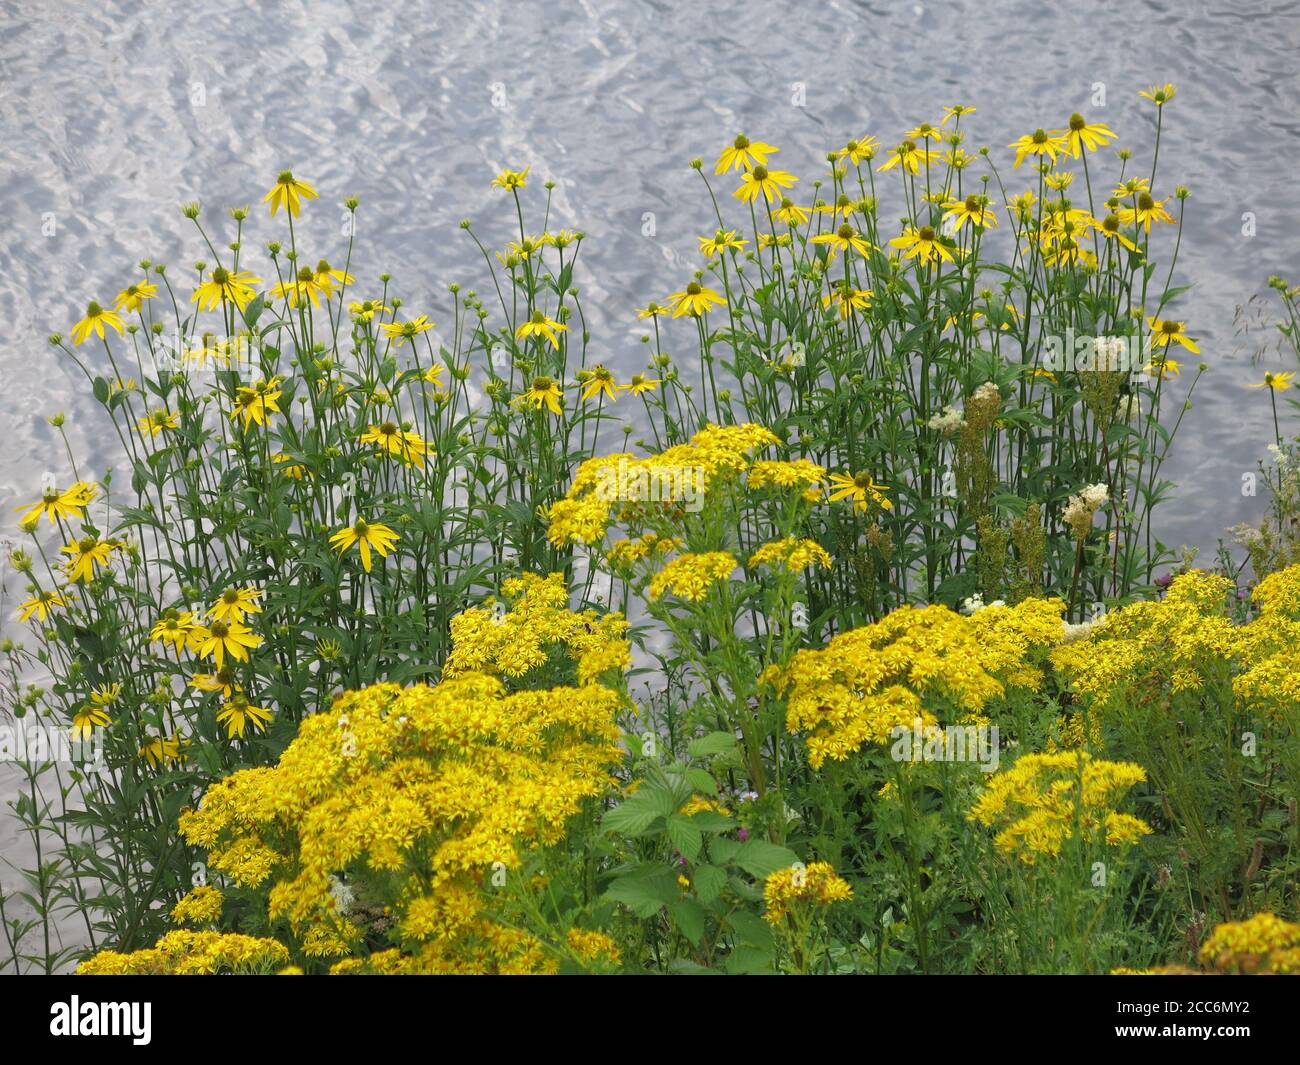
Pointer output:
x,y
713,743
688,916
761,859
709,880
685,836
644,889
101,389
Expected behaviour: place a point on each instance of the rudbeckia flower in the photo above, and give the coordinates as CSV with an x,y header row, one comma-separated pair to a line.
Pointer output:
x,y
238,714
540,325
160,750
694,300
600,382
86,720
860,488
131,297
40,605
641,384
543,392
847,300
908,156
304,286
288,192
392,439
223,638
327,277
923,243
175,627
767,182
973,209
1079,134
511,179
96,318
1278,382
54,504
235,604
223,681
651,311
1164,333
858,151
364,310
744,154
1160,94
1148,210
1108,227
365,536
924,131
256,403
404,331
85,555
225,287
721,241
843,239
155,421
1040,143
790,213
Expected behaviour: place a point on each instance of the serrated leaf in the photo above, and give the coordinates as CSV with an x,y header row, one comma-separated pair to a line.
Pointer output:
x,y
713,743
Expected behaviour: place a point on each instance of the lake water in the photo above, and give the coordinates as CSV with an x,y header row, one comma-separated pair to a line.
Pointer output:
x,y
111,114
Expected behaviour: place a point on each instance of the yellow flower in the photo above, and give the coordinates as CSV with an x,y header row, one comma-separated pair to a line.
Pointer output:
x,y
1080,134
600,382
694,300
84,555
96,318
176,627
156,421
843,239
722,240
652,311
223,638
791,555
366,536
160,750
235,604
511,179
743,154
973,209
923,243
858,151
54,504
1278,382
1164,333
543,392
1147,210
131,297
848,300
304,286
392,439
364,310
641,384
86,720
690,576
225,287
860,488
908,156
288,192
404,331
201,906
223,681
40,605
1039,143
1108,227
816,884
540,325
238,714
790,213
289,466
1160,95
767,182
257,403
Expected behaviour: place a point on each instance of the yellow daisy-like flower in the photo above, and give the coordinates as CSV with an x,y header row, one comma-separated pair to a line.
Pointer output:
x,y
1164,333
161,750
40,605
923,243
540,325
288,192
861,150
222,638
223,681
641,384
760,180
790,213
86,720
235,604
364,310
366,537
973,209
1160,94
600,383
239,714
225,287
133,296
743,154
847,300
156,421
651,311
257,403
690,576
511,179
1108,227
289,466
175,627
1278,382
844,239
1039,143
1080,134
68,504
908,156
1166,367
694,300
722,240
543,392
791,555
1147,210
392,439
404,331
96,318
861,489
85,555
304,286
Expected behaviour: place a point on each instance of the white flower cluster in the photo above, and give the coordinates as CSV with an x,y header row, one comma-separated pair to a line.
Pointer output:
x,y
1080,631
949,421
1080,508
976,603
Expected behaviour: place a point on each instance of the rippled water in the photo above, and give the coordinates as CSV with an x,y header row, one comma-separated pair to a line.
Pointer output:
x,y
113,113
